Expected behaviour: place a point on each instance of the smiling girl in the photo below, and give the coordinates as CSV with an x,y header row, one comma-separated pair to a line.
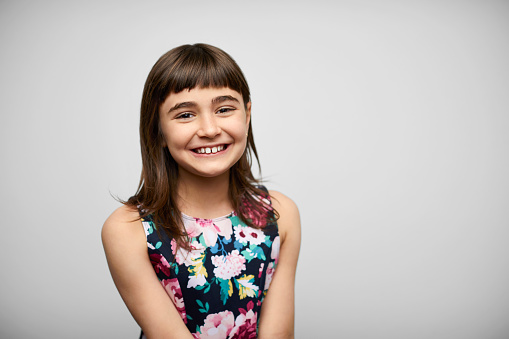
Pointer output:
x,y
202,250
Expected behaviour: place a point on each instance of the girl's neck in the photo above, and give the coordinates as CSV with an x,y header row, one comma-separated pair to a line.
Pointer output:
x,y
203,197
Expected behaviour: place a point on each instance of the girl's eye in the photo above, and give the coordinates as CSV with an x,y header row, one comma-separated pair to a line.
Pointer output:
x,y
224,110
184,115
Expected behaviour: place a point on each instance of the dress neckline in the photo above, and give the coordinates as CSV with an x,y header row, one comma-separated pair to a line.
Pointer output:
x,y
185,216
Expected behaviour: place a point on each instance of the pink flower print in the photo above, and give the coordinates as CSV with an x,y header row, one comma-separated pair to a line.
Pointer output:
x,y
245,234
256,236
230,266
245,323
160,264
240,235
225,227
209,228
174,248
183,256
172,287
275,249
192,228
268,278
259,302
217,326
260,270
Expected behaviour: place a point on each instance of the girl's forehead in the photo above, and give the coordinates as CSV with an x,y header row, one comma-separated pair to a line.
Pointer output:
x,y
203,95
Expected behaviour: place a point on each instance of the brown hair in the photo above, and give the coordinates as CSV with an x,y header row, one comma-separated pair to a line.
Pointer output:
x,y
187,67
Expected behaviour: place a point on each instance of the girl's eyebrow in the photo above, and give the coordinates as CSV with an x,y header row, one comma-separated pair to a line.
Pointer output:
x,y
216,100
223,98
184,104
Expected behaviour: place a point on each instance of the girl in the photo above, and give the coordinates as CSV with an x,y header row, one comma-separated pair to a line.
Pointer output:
x,y
202,251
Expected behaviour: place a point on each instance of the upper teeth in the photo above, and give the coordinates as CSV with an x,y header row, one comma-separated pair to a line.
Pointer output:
x,y
208,150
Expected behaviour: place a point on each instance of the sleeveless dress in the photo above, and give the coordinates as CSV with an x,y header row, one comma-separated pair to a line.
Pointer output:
x,y
219,285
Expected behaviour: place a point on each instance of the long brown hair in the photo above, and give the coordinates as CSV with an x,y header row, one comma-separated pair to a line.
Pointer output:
x,y
187,67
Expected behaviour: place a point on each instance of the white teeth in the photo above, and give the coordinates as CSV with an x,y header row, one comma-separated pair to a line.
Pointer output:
x,y
208,150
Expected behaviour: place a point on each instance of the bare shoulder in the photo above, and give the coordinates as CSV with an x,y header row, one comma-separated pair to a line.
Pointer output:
x,y
285,206
123,224
289,218
125,245
277,316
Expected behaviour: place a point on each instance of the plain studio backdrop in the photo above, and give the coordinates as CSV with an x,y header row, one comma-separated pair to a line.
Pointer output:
x,y
387,122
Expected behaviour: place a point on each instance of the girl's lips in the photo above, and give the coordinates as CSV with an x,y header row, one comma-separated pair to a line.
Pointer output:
x,y
210,149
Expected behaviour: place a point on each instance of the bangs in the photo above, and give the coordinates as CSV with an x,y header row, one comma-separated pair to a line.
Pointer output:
x,y
203,66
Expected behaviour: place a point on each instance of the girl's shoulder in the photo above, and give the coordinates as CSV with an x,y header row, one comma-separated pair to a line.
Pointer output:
x,y
289,218
124,215
283,204
123,225
281,199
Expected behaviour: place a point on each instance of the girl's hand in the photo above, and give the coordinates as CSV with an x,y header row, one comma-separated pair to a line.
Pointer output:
x,y
278,308
125,245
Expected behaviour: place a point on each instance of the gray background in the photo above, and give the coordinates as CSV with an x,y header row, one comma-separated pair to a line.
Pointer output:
x,y
386,121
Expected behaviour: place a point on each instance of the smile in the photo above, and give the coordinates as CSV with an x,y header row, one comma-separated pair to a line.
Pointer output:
x,y
210,150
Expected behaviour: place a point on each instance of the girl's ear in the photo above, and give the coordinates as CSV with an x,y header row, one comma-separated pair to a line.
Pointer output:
x,y
248,113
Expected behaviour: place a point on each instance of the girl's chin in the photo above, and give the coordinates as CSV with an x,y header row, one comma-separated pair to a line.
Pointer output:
x,y
203,173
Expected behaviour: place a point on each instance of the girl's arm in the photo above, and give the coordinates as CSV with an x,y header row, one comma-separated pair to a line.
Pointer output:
x,y
125,245
277,314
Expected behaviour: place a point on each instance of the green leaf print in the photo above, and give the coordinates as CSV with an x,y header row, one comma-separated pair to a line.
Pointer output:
x,y
204,309
254,251
226,290
248,254
205,286
201,239
257,250
150,230
267,241
235,220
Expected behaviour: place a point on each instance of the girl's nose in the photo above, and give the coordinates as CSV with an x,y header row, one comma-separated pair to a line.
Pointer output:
x,y
208,127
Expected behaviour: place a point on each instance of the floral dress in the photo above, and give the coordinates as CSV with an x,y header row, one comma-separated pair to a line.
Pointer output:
x,y
218,286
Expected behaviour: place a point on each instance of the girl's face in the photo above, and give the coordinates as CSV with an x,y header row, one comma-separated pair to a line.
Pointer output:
x,y
205,129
